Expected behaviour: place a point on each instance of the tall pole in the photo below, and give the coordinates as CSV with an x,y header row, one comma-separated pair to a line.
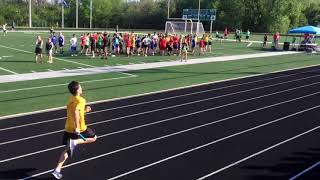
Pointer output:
x,y
90,14
30,19
198,24
199,13
62,15
168,9
77,13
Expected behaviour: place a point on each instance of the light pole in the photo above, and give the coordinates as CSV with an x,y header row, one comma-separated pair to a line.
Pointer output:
x,y
90,14
30,19
62,15
77,13
168,9
198,24
199,12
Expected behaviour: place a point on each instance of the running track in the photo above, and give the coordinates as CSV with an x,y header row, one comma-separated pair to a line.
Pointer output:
x,y
263,127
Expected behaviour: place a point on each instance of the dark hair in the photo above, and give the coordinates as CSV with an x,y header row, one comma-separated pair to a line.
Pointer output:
x,y
73,87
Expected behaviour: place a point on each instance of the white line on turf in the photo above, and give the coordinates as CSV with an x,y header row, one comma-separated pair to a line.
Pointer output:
x,y
305,171
53,57
7,70
260,152
63,84
128,74
168,98
161,91
164,137
166,120
33,71
16,49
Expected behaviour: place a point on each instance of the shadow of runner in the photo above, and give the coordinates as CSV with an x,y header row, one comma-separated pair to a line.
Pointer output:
x,y
16,173
288,167
21,173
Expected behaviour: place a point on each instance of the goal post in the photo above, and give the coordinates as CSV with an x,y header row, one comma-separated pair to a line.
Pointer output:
x,y
183,26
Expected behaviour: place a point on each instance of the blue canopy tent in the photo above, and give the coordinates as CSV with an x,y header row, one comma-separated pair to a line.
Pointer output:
x,y
306,30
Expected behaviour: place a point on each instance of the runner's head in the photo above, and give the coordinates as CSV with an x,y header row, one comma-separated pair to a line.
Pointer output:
x,y
75,88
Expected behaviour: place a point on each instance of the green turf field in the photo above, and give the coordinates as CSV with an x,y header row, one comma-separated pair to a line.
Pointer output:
x,y
35,95
16,56
16,53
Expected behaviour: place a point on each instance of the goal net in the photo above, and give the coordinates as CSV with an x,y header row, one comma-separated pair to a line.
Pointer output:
x,y
184,27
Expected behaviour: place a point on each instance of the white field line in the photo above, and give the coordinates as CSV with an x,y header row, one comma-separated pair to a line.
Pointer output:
x,y
260,152
7,70
53,57
62,60
166,136
63,84
16,49
161,121
174,97
160,91
128,74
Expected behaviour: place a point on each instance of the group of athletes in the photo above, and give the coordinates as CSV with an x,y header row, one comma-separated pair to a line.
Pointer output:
x,y
104,44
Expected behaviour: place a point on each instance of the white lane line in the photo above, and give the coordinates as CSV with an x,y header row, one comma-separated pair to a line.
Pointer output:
x,y
171,157
169,107
163,91
63,84
173,118
209,144
260,152
305,171
7,70
53,57
30,154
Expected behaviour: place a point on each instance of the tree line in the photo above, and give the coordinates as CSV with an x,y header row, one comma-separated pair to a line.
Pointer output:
x,y
256,15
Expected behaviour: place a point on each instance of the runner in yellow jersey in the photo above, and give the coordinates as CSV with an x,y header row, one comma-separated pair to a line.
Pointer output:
x,y
75,126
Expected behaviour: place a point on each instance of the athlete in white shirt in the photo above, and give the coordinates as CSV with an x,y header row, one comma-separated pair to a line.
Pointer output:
x,y
73,42
4,29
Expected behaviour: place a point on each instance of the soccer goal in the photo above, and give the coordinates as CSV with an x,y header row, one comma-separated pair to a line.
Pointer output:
x,y
184,27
